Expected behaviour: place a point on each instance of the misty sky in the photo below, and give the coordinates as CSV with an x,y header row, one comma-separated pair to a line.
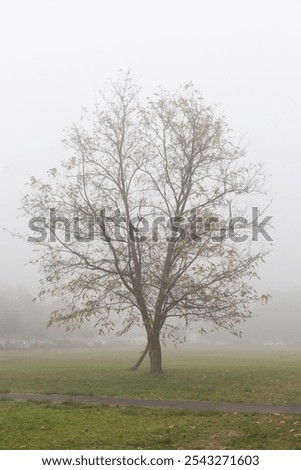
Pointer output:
x,y
243,55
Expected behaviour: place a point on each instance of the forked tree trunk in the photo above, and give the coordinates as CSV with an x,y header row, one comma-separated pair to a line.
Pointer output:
x,y
155,355
141,359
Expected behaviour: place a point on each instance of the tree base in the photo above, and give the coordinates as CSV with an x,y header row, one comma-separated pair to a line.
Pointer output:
x,y
155,357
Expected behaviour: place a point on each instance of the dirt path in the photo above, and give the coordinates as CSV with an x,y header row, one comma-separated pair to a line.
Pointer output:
x,y
170,404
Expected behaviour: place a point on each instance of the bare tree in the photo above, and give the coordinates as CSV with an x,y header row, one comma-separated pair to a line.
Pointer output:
x,y
144,185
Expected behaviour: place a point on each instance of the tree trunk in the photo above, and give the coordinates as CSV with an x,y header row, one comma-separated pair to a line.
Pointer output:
x,y
155,355
141,359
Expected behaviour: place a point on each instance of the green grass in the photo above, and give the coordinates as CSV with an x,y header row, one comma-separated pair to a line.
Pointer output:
x,y
265,376
26,425
197,374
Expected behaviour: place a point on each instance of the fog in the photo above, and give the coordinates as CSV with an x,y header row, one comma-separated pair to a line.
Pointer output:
x,y
24,325
244,56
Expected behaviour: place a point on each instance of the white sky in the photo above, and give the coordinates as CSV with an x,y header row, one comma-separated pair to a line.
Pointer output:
x,y
243,55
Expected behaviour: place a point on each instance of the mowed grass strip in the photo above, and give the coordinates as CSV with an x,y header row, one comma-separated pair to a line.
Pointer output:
x,y
241,376
27,425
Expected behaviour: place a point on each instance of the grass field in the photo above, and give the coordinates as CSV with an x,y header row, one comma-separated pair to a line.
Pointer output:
x,y
25,425
272,377
230,376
